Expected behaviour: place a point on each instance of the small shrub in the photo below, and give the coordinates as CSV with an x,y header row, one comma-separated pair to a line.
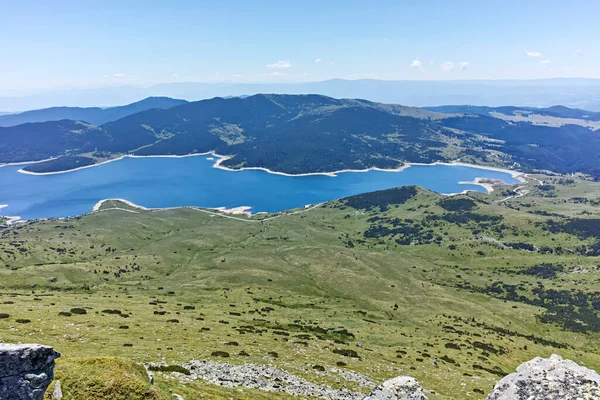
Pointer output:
x,y
448,360
346,352
452,346
23,321
170,368
220,354
77,310
3,315
319,368
64,314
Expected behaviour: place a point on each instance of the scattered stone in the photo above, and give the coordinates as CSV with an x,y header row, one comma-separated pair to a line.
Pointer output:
x,y
262,377
26,370
548,378
399,388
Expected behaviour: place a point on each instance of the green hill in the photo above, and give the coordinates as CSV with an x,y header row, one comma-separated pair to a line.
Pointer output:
x,y
311,133
455,291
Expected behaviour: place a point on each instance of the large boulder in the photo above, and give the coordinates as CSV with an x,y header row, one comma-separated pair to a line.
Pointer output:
x,y
399,388
26,370
548,378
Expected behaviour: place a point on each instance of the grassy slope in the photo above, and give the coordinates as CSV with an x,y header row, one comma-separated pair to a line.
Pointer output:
x,y
397,300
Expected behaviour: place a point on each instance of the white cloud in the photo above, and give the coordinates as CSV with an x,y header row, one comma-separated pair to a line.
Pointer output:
x,y
447,66
464,65
533,53
578,52
416,64
546,63
318,60
119,75
280,64
276,73
175,75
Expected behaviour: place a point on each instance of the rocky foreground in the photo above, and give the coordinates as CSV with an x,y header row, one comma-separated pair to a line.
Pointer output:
x,y
548,378
26,370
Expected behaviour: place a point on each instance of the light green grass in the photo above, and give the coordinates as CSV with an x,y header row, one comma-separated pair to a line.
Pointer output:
x,y
294,274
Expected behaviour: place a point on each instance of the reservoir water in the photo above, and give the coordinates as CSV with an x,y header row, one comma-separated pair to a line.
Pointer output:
x,y
160,182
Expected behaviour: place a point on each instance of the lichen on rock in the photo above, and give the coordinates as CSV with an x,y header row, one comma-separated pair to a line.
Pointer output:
x,y
548,378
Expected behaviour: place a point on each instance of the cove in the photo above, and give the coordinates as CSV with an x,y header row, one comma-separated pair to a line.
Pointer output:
x,y
161,182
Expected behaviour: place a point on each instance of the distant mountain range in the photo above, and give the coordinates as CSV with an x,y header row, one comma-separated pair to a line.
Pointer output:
x,y
571,92
92,115
554,111
312,133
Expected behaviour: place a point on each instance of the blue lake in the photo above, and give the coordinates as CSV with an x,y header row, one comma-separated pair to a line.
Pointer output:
x,y
192,181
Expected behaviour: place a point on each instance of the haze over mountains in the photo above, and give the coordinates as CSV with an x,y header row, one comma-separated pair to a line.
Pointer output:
x,y
93,115
570,92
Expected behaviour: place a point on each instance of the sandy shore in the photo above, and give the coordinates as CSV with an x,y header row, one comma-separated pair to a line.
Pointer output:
x,y
485,183
332,174
104,162
222,158
236,210
26,162
245,210
130,204
488,186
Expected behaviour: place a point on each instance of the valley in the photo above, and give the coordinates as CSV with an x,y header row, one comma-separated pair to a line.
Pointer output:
x,y
455,291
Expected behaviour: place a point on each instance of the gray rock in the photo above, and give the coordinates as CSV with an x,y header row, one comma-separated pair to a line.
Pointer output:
x,y
26,370
548,378
263,377
57,392
399,388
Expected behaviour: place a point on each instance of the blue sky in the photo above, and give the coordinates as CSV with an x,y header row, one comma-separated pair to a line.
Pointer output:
x,y
95,43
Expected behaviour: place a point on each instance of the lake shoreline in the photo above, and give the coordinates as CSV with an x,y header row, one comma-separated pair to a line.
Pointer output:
x,y
520,176
216,161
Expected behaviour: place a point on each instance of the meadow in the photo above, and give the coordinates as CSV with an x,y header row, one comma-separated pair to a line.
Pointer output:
x,y
454,291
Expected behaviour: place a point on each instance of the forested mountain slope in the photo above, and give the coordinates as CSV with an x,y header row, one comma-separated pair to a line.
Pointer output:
x,y
311,133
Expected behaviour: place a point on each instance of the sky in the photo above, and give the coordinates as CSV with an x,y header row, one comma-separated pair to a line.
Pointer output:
x,y
74,43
